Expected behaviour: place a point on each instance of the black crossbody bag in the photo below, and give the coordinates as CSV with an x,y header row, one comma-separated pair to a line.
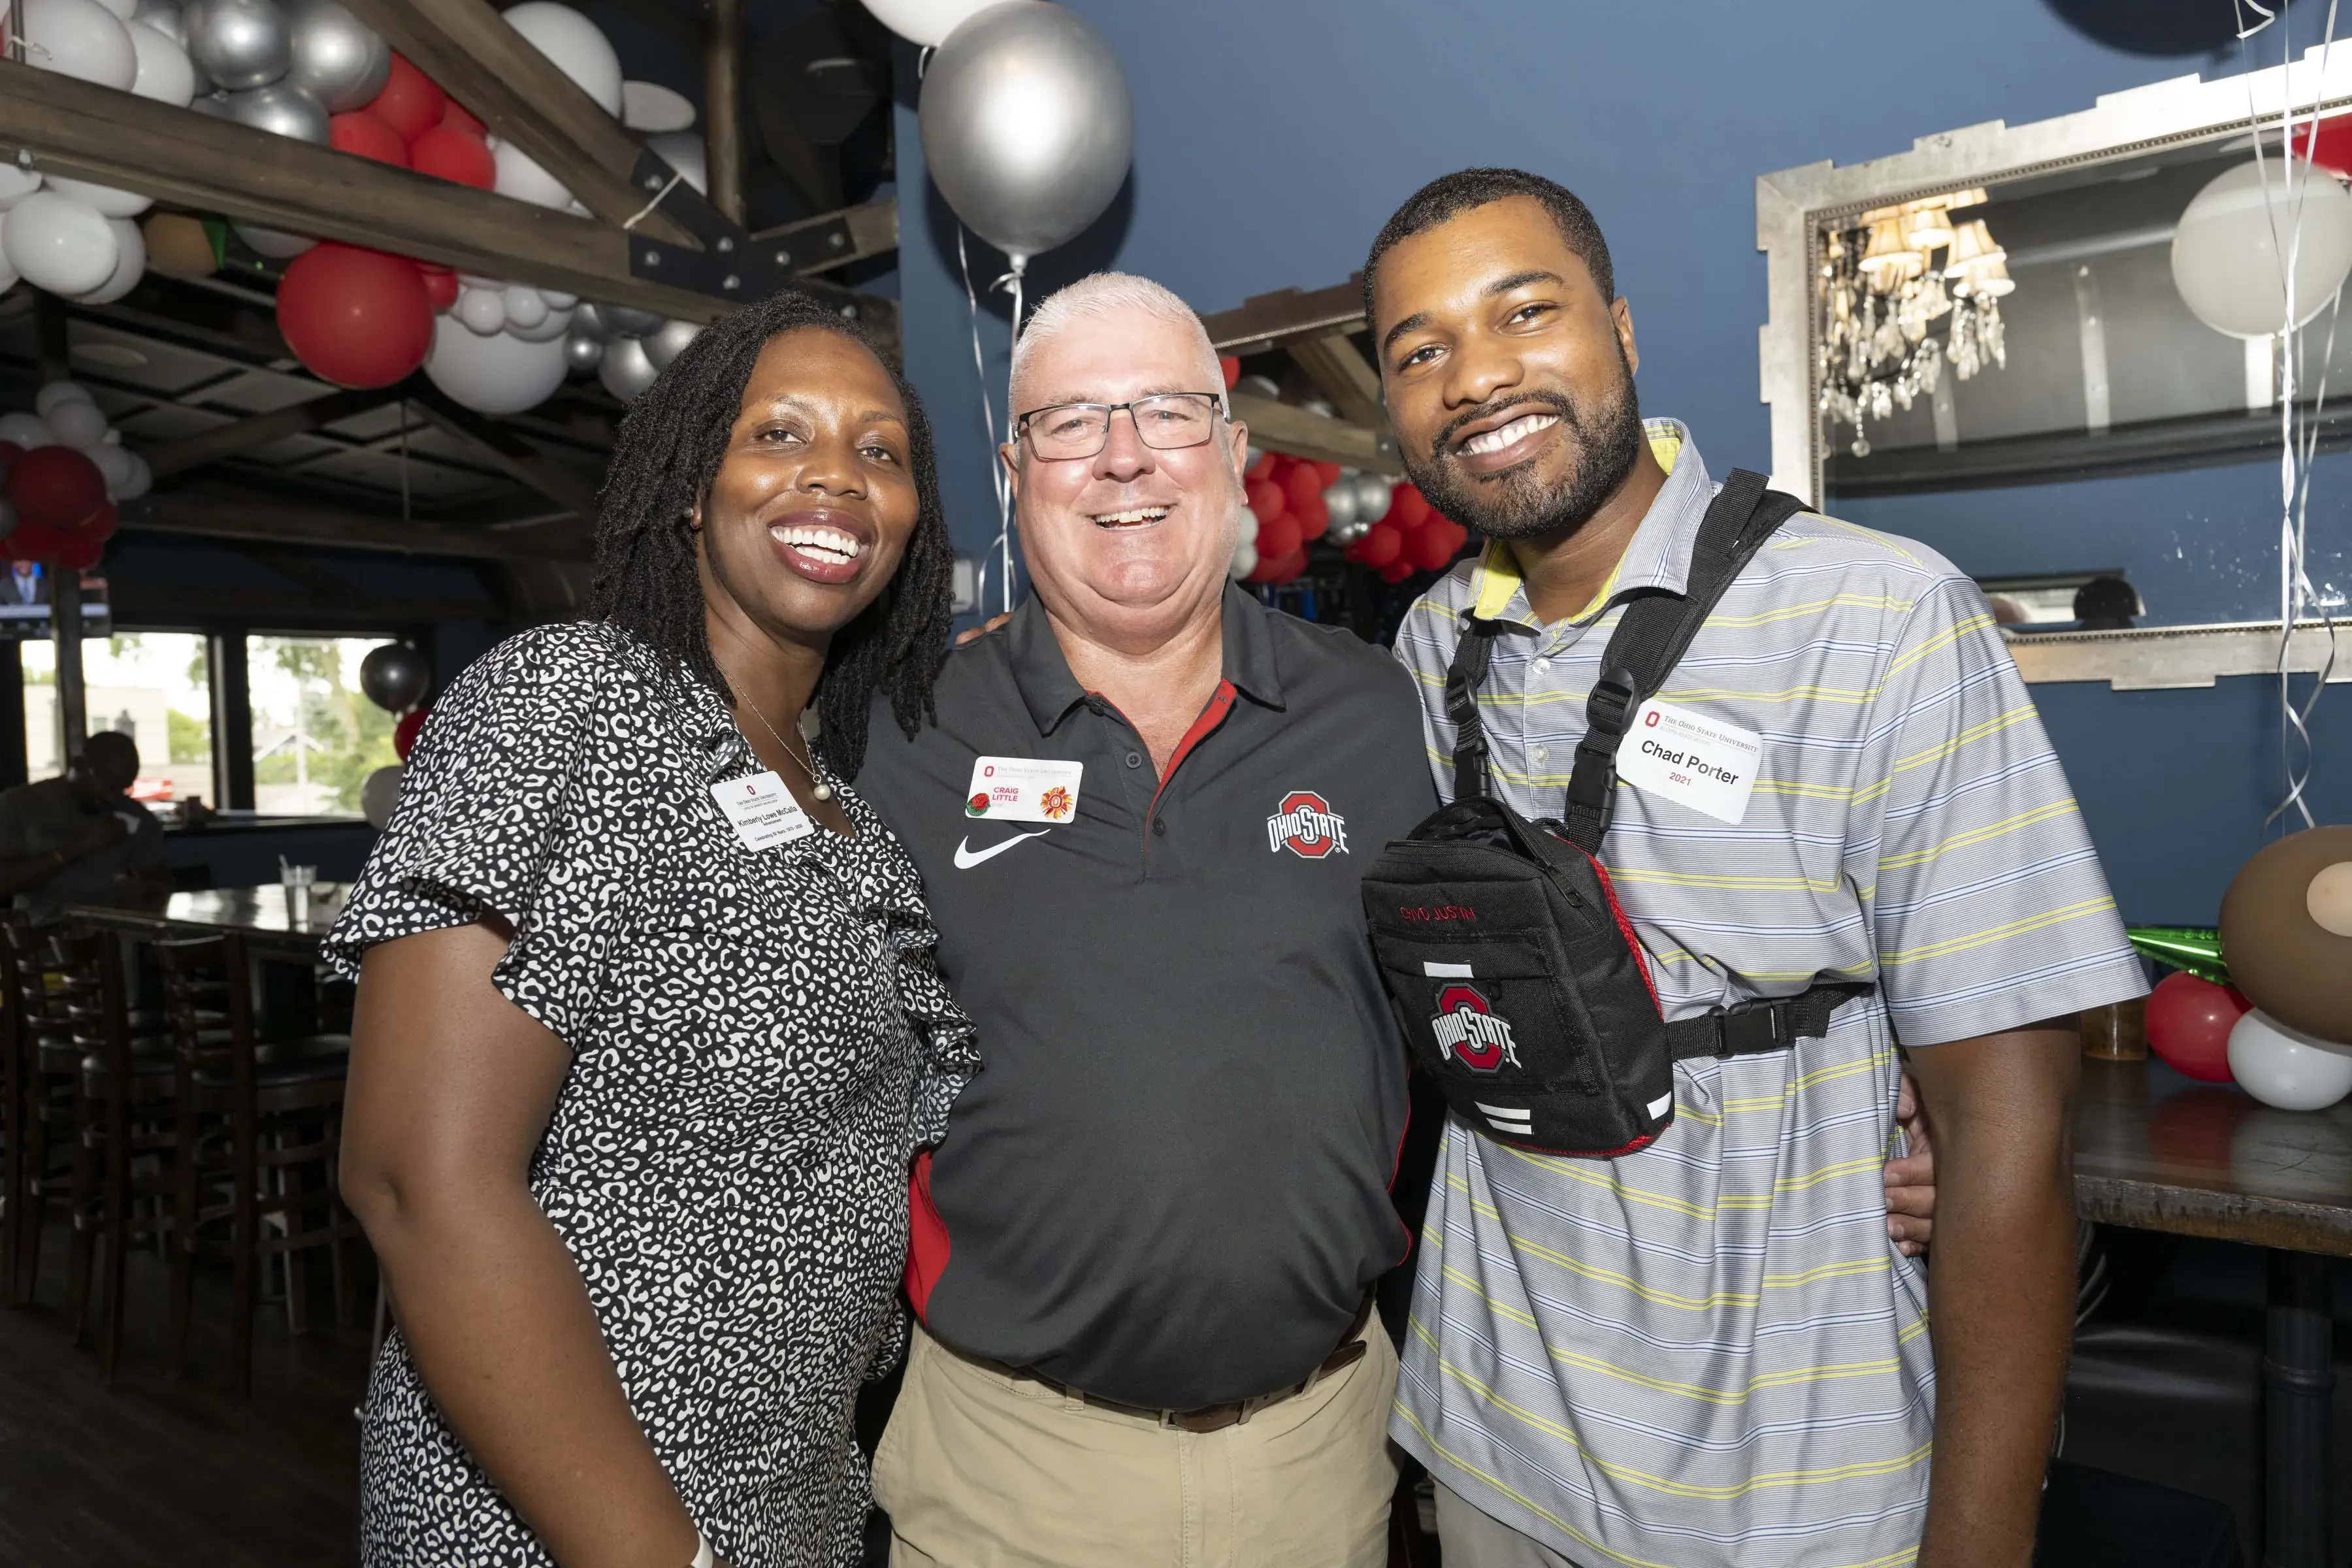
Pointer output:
x,y
1513,970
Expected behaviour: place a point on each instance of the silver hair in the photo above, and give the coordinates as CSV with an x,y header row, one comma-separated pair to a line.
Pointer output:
x,y
1098,295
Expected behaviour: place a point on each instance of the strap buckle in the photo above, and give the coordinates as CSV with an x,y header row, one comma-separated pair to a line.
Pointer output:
x,y
1754,1027
1611,704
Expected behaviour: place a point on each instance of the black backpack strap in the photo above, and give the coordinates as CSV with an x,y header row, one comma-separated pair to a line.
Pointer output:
x,y
1652,636
1757,1026
1463,679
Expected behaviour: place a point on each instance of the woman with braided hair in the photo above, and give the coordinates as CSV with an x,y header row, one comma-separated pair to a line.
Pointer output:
x,y
648,1026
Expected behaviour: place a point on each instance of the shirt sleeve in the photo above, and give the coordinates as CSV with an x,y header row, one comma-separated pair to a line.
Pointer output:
x,y
1987,907
482,826
947,1055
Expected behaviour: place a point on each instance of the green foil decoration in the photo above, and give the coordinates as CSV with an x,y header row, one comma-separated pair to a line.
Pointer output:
x,y
2193,949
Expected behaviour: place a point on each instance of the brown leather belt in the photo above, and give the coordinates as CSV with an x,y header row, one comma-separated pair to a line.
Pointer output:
x,y
1209,1417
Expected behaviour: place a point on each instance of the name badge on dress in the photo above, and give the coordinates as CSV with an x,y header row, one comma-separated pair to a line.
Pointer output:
x,y
1024,789
1683,756
762,811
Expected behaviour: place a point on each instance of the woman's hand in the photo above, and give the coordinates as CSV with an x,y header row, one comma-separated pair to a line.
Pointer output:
x,y
1911,1181
451,1087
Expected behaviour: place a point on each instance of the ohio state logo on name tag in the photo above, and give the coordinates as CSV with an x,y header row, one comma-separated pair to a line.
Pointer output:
x,y
1305,824
762,811
1024,789
1681,754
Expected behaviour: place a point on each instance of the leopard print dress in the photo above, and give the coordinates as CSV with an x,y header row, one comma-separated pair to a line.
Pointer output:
x,y
759,1043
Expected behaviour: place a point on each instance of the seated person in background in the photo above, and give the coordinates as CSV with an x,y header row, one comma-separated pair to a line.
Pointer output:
x,y
81,838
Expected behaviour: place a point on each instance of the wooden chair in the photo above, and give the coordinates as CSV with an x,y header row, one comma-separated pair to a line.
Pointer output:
x,y
257,1140
42,1069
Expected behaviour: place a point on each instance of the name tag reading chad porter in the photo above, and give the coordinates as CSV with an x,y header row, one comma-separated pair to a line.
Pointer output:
x,y
1683,756
762,811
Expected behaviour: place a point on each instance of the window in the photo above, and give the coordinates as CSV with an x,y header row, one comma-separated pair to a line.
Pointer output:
x,y
315,737
155,687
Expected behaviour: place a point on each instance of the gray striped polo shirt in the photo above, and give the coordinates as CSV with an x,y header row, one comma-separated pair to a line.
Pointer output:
x,y
1708,1352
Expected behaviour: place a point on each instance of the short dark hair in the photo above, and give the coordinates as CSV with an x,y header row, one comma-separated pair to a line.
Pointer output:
x,y
1449,196
668,453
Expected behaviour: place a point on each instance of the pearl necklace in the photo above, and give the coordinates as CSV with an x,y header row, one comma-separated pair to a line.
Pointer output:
x,y
817,786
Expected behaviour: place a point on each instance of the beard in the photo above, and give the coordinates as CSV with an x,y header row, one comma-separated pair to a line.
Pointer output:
x,y
1515,503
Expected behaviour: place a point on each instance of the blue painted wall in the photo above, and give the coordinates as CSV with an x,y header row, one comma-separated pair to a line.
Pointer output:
x,y
1274,136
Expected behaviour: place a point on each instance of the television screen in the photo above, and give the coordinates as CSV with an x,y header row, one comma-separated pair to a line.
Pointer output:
x,y
25,604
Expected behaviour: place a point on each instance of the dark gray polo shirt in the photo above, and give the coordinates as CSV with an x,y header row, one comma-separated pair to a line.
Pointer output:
x,y
1169,1184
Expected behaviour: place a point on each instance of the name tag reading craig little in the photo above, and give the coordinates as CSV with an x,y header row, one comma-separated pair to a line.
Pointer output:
x,y
1683,756
1024,789
762,811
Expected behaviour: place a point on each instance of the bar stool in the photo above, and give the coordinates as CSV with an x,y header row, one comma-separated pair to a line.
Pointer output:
x,y
43,1069
257,1141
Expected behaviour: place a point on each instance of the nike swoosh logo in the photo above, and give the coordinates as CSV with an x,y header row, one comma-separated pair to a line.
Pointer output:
x,y
966,856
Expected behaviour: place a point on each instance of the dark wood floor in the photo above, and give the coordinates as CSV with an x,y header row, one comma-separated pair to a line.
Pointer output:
x,y
174,1473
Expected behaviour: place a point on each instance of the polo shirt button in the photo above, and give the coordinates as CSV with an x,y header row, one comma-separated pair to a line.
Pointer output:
x,y
1160,826
1543,667
1135,759
1543,754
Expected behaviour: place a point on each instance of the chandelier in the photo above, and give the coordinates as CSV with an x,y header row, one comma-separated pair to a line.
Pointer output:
x,y
1887,278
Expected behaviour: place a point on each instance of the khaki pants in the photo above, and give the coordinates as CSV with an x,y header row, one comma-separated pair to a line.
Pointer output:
x,y
978,1470
1471,1538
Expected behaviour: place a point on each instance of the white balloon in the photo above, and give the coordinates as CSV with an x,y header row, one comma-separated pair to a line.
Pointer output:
x,y
647,107
77,422
140,480
379,794
525,308
557,324
668,340
578,48
497,374
273,243
7,273
924,21
25,430
81,39
2287,1068
17,183
625,371
165,72
59,244
1244,561
688,153
128,270
53,394
113,465
2226,251
122,8
108,200
524,180
482,310
556,299
1258,386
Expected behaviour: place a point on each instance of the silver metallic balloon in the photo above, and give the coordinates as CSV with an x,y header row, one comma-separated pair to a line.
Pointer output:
x,y
212,105
668,340
395,677
588,321
1348,532
337,59
628,321
1026,124
281,110
583,354
1258,386
626,372
239,43
1375,493
1339,501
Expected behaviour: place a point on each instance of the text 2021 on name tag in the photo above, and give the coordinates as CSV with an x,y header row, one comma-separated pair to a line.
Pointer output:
x,y
762,810
1024,789
1683,756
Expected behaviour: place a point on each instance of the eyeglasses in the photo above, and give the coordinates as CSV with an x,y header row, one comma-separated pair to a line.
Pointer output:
x,y
1165,422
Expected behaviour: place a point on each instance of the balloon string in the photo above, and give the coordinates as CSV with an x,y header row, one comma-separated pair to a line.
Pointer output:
x,y
647,211
1002,545
1010,284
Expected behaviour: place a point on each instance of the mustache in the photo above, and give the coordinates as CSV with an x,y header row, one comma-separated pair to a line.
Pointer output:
x,y
1558,403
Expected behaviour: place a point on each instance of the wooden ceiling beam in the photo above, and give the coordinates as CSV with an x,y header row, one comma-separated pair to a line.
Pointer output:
x,y
1333,364
190,160
835,239
1270,320
468,47
513,454
1279,427
170,457
224,512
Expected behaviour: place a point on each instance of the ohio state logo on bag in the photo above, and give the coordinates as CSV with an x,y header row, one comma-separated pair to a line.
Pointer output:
x,y
1305,824
1471,1031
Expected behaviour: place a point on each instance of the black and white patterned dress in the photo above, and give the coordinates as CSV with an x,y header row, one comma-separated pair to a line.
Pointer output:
x,y
760,1042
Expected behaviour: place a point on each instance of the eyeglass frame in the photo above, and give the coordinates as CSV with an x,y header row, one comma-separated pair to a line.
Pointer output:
x,y
1110,412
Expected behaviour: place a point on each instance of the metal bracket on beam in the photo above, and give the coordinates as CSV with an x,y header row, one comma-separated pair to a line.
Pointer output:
x,y
731,265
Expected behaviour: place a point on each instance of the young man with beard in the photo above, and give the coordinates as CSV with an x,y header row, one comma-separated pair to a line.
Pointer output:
x,y
1706,1353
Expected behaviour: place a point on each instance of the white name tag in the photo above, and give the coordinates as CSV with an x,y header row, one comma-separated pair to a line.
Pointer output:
x,y
762,810
1024,789
1683,756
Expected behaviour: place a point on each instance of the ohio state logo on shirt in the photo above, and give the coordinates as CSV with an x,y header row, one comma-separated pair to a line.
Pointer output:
x,y
1473,1032
1305,824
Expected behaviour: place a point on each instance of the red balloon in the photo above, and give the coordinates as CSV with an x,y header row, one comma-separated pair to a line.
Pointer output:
x,y
410,103
1396,571
1266,500
1381,543
31,542
1312,517
405,733
56,488
447,154
1278,538
1233,369
1289,566
365,136
2189,1023
2334,138
1330,471
1264,469
357,318
77,552
1432,544
1406,507
441,285
1303,483
101,524
456,117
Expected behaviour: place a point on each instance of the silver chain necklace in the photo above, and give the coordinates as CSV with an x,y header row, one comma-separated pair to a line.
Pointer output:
x,y
807,760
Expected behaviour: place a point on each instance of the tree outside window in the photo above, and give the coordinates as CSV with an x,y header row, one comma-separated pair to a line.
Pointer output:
x,y
316,737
